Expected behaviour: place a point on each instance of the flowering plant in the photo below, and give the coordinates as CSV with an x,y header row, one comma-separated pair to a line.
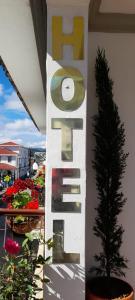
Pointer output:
x,y
18,278
22,195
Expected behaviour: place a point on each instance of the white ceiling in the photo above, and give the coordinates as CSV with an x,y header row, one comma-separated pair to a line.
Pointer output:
x,y
19,53
118,6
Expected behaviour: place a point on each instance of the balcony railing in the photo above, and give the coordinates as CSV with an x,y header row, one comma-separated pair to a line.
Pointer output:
x,y
22,211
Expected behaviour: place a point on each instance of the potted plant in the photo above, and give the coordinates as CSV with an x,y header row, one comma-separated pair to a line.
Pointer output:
x,y
18,276
22,194
109,164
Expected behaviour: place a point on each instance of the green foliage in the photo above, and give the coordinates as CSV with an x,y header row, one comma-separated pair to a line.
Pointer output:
x,y
21,199
18,279
19,219
40,180
109,164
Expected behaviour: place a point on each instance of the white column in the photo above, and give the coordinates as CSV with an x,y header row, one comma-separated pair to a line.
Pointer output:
x,y
67,61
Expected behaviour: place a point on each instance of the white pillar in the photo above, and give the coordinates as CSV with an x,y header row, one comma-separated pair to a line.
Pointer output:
x,y
67,61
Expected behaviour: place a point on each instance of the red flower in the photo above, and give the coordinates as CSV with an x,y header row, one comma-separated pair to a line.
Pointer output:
x,y
12,247
24,184
33,204
20,184
34,194
11,190
29,182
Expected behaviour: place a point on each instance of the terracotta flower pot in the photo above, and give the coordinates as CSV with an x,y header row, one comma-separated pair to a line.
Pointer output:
x,y
102,288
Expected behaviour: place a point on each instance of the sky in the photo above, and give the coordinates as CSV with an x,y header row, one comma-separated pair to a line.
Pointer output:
x,y
15,123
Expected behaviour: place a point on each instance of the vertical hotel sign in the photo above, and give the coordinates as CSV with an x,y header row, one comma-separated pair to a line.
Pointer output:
x,y
66,132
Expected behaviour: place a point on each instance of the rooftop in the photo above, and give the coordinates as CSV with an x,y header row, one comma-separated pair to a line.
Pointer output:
x,y
9,144
4,151
6,167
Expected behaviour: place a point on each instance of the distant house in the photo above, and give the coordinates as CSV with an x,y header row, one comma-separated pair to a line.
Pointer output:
x,y
14,158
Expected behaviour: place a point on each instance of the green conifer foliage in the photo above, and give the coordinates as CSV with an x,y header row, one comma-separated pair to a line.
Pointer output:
x,y
109,164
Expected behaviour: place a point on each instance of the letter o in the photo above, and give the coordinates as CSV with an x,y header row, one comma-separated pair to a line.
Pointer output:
x,y
79,90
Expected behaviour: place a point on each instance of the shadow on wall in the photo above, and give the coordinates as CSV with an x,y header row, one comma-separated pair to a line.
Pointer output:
x,y
66,282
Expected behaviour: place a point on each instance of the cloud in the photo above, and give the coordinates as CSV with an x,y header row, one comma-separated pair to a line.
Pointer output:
x,y
22,132
21,124
12,102
40,144
18,141
22,139
1,89
15,123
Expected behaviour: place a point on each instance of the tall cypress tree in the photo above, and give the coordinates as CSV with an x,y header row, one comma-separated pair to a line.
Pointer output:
x,y
109,164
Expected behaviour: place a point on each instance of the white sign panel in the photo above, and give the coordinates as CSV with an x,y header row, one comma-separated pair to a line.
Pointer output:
x,y
66,150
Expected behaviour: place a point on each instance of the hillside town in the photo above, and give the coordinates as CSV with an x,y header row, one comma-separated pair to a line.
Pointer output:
x,y
17,161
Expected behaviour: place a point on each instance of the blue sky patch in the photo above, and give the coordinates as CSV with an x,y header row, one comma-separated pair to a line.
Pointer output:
x,y
15,123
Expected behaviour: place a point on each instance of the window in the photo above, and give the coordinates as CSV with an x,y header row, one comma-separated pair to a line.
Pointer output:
x,y
9,158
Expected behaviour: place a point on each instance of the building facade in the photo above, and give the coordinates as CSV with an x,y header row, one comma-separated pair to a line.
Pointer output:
x,y
17,156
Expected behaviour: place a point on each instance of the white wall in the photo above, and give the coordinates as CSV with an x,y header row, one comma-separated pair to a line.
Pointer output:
x,y
120,52
4,160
